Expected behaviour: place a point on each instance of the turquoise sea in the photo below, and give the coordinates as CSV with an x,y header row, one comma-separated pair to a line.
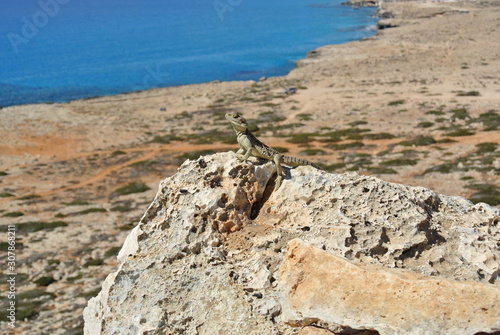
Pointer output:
x,y
60,50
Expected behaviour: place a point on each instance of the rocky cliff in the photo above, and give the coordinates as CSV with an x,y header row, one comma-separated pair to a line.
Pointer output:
x,y
218,252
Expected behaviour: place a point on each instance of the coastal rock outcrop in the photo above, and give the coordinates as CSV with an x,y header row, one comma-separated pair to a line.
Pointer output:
x,y
218,252
362,3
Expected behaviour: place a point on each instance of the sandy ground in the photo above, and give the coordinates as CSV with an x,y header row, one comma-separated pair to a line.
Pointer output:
x,y
416,104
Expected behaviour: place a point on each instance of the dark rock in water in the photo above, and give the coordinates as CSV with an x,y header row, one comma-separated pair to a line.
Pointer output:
x,y
361,3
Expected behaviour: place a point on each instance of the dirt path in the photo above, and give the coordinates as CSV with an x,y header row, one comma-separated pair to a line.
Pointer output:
x,y
179,148
172,148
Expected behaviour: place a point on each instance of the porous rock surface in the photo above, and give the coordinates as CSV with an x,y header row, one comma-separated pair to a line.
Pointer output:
x,y
218,252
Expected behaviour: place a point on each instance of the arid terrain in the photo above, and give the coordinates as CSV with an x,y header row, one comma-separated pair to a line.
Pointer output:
x,y
416,104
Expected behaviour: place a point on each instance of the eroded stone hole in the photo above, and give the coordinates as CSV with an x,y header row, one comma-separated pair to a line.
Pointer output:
x,y
213,179
257,206
223,216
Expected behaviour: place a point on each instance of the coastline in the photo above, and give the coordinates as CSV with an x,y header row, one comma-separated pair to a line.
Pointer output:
x,y
417,104
146,73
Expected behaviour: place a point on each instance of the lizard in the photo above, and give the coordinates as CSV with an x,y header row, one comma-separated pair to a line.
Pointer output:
x,y
250,145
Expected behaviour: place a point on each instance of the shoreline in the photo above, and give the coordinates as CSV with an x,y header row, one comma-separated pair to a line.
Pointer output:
x,y
354,4
418,105
151,73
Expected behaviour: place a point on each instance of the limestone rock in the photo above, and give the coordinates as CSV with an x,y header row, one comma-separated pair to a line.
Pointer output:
x,y
321,286
208,256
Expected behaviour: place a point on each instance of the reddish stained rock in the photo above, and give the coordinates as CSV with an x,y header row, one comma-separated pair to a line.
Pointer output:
x,y
323,287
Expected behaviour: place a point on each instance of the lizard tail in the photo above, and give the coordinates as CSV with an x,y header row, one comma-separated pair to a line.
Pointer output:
x,y
294,161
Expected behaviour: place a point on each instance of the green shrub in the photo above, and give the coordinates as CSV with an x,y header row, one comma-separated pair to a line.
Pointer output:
x,y
91,210
128,226
121,209
442,168
165,139
418,141
425,124
460,113
400,162
396,102
468,94
77,203
271,104
435,112
132,188
357,123
31,227
112,252
44,281
304,117
378,136
486,193
302,138
29,302
93,262
345,146
490,120
357,161
87,296
13,214
446,140
74,278
213,136
183,115
350,133
460,132
31,197
486,147
312,152
270,116
281,149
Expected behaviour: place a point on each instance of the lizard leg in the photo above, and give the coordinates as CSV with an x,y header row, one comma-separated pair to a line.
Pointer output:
x,y
245,156
279,170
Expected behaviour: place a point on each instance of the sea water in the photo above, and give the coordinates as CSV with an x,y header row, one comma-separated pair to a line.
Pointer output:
x,y
60,50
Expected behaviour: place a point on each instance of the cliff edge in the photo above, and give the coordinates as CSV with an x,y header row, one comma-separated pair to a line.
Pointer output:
x,y
218,252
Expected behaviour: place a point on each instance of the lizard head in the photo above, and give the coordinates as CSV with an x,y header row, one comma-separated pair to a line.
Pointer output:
x,y
237,121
